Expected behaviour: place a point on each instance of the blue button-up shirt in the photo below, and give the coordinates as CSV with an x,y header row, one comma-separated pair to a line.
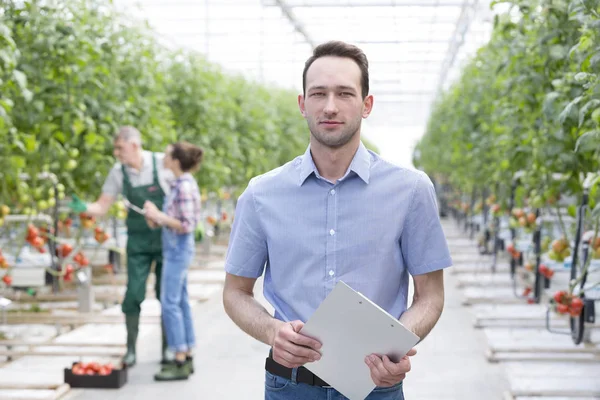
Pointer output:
x,y
370,229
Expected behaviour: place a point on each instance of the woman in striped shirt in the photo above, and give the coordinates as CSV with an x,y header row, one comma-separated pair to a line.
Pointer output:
x,y
179,218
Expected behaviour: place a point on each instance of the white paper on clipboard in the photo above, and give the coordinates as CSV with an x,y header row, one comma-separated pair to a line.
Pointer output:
x,y
350,327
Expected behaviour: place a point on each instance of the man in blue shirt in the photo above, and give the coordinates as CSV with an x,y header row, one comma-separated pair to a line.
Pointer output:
x,y
338,212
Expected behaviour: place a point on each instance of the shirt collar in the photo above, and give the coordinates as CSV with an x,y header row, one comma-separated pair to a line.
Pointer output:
x,y
361,165
184,177
146,163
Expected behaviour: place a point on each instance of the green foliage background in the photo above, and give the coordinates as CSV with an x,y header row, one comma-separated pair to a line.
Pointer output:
x,y
72,72
528,101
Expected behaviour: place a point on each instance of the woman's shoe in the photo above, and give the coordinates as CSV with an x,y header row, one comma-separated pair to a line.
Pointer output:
x,y
176,371
189,362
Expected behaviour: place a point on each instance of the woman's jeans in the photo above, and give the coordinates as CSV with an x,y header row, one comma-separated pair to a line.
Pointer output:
x,y
278,388
178,252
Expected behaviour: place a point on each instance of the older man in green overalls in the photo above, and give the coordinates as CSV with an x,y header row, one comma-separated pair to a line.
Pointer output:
x,y
140,176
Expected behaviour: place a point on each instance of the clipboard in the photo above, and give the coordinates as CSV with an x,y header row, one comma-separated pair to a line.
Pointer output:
x,y
350,327
133,207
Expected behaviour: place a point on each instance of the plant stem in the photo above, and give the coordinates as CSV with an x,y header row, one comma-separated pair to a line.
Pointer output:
x,y
563,228
587,261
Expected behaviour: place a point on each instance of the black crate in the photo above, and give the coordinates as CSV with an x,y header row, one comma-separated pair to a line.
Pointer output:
x,y
115,380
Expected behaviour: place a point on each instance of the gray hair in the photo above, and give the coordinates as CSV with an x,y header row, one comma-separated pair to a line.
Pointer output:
x,y
129,134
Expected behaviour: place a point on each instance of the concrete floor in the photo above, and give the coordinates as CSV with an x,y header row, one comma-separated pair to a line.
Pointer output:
x,y
450,363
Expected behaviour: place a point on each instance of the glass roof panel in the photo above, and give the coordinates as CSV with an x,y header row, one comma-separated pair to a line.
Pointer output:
x,y
414,47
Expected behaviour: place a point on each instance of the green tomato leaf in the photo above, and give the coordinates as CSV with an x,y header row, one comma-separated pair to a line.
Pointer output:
x,y
30,143
21,79
585,109
588,141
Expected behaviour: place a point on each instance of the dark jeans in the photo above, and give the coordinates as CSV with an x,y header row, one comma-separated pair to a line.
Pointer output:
x,y
278,388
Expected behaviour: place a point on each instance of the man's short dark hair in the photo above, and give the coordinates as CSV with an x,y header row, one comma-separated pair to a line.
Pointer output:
x,y
341,49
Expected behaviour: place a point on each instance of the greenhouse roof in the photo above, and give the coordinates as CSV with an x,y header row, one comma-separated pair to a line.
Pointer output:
x,y
415,47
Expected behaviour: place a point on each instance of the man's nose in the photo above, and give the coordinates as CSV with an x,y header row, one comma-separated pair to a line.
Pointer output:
x,y
330,105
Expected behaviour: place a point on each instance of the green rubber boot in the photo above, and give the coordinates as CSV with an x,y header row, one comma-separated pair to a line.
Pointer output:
x,y
173,372
190,363
132,323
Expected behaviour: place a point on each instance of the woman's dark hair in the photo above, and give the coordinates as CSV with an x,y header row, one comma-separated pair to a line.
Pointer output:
x,y
189,155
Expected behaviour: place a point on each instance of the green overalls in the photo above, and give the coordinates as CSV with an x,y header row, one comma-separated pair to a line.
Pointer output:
x,y
144,245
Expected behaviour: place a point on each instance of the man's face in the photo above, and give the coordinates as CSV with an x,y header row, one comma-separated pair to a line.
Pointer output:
x,y
125,151
168,161
333,106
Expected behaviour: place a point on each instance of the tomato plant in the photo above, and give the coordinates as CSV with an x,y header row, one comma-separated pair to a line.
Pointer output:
x,y
528,105
72,72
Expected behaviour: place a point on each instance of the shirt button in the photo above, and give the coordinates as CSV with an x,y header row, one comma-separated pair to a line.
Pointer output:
x,y
332,192
331,273
332,232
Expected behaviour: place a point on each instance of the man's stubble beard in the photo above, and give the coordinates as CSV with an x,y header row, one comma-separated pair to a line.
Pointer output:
x,y
349,131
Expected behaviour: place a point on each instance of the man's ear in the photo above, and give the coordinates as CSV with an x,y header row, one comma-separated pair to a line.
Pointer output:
x,y
301,105
367,106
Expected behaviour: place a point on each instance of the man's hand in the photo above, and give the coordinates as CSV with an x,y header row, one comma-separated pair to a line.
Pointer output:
x,y
76,204
386,373
292,349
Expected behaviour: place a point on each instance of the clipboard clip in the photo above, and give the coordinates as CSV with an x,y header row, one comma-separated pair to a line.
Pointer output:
x,y
133,207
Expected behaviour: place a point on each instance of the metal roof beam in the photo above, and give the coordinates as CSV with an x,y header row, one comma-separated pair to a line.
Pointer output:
x,y
285,9
369,4
406,41
467,13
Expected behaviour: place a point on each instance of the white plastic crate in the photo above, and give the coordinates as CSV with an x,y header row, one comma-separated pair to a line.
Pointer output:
x,y
29,269
27,277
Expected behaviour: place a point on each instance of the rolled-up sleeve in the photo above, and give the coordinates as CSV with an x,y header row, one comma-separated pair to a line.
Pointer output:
x,y
247,252
113,185
187,207
423,242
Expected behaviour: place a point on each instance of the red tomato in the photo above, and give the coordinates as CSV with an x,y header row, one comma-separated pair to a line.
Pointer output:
x,y
77,370
562,308
560,297
576,303
65,250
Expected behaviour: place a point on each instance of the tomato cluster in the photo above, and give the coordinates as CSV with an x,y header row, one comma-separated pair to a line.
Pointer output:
x,y
520,218
566,303
7,279
64,226
3,262
516,255
100,235
92,368
35,239
87,221
546,271
560,250
63,251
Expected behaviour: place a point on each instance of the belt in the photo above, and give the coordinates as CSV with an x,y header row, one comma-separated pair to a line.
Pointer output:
x,y
302,376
